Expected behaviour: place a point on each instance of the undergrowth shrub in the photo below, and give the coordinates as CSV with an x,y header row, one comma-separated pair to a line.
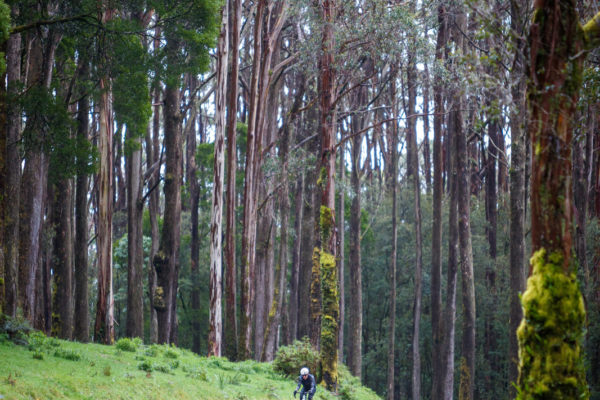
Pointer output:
x,y
15,329
290,359
152,351
127,344
146,365
67,354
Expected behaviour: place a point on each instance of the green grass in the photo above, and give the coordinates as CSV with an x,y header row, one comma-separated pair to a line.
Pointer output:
x,y
55,369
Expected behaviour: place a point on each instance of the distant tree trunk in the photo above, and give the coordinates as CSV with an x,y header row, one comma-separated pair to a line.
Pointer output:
x,y
104,328
275,313
356,316
235,17
153,160
82,314
393,189
437,325
581,183
215,334
426,146
294,280
11,199
166,261
414,169
194,200
559,45
326,181
518,117
135,253
450,310
341,256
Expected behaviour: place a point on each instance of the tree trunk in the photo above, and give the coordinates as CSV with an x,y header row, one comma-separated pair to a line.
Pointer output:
x,y
414,169
215,334
166,261
436,241
559,45
12,176
248,267
82,314
518,117
135,253
356,316
153,161
328,236
231,330
104,328
447,388
393,189
341,261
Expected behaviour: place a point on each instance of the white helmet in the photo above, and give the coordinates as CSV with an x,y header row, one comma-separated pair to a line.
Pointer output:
x,y
304,371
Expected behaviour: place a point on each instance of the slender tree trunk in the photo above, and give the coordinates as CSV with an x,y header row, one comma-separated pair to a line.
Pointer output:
x,y
231,330
450,308
414,168
153,166
517,187
393,189
356,316
296,260
436,241
275,313
82,313
12,176
341,256
215,335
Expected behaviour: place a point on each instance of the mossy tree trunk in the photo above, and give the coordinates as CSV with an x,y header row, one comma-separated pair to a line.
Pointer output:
x,y
326,182
551,332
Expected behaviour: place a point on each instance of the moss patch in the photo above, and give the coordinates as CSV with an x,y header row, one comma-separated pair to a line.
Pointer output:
x,y
551,332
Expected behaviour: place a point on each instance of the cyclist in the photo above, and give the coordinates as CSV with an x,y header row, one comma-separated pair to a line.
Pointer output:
x,y
308,383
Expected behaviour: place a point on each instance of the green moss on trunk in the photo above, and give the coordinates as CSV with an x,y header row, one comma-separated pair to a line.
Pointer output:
x,y
550,335
329,323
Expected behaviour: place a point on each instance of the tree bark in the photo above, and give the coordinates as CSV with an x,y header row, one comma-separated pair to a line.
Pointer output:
x,y
559,45
231,330
135,253
518,117
215,334
436,241
393,189
248,267
326,181
166,260
414,172
82,321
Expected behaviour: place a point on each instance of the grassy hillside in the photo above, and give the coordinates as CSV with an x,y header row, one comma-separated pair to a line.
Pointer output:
x,y
46,368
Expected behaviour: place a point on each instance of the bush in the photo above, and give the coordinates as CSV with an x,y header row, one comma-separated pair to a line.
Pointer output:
x,y
16,329
290,359
67,354
146,365
127,344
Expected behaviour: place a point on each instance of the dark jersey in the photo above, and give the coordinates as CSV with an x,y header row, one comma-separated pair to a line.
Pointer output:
x,y
308,384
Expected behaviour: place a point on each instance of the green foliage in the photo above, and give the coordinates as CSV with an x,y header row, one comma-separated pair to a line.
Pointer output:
x,y
191,28
67,354
4,31
289,359
128,344
550,335
146,365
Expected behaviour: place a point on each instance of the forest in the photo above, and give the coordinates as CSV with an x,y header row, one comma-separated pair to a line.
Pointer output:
x,y
412,186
